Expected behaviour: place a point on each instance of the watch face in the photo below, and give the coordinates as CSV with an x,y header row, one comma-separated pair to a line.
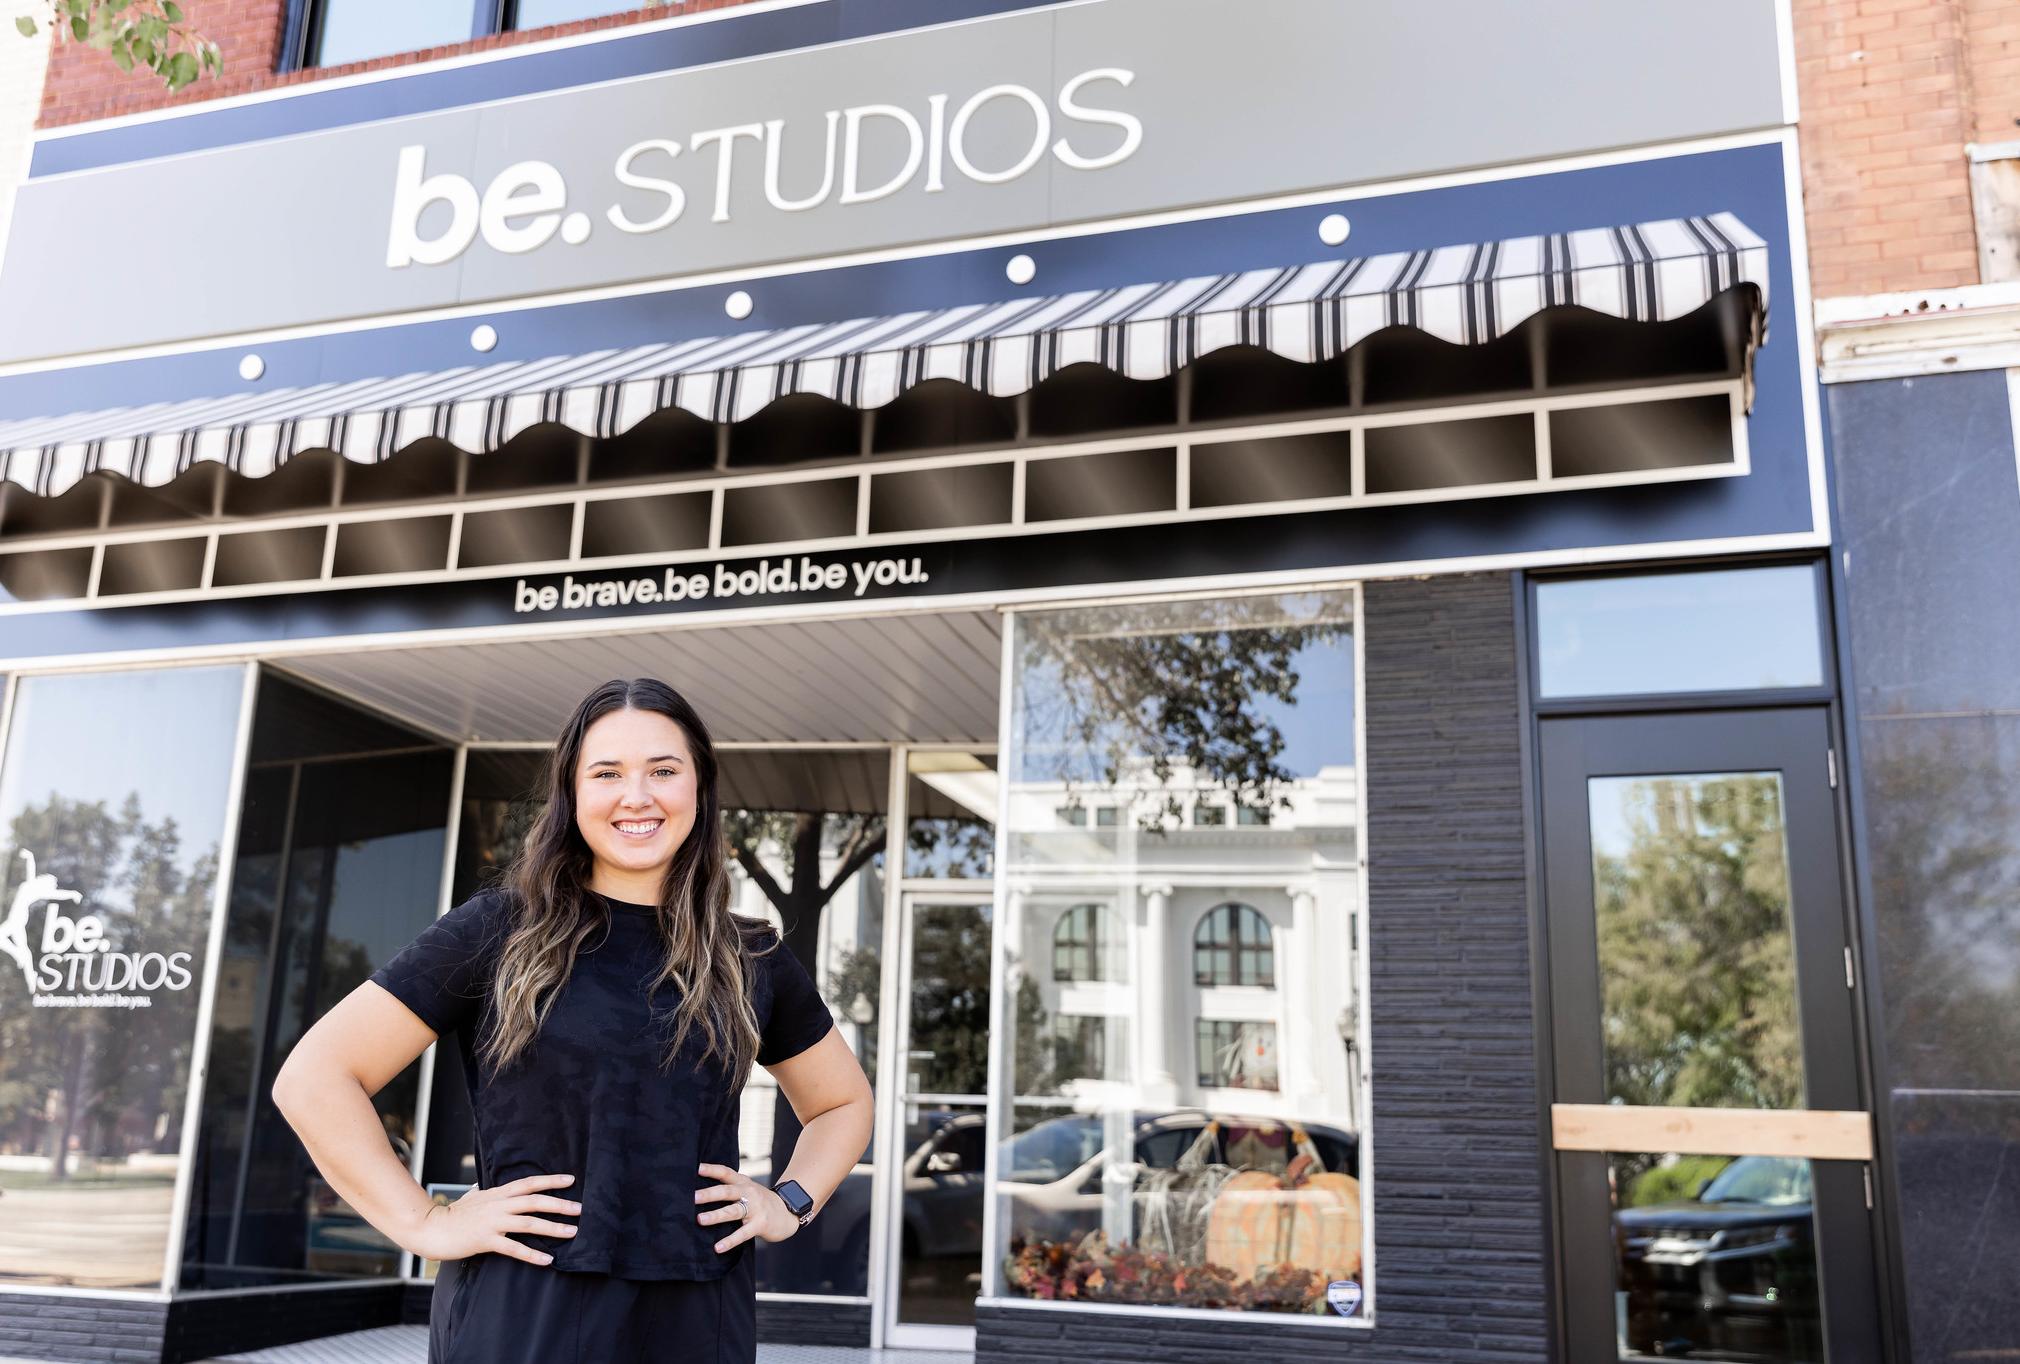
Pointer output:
x,y
798,1202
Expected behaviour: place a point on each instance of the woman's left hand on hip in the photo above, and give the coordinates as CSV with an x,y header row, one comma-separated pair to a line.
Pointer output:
x,y
751,1208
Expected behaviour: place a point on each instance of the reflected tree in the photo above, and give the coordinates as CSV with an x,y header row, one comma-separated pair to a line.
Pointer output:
x,y
1944,808
1151,691
1699,972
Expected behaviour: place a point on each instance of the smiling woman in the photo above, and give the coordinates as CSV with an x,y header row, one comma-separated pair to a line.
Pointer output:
x,y
607,1007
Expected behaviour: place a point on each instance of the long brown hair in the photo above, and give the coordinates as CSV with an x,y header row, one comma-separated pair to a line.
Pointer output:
x,y
554,913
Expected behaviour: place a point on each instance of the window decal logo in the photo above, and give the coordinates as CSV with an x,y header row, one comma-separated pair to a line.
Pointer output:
x,y
76,956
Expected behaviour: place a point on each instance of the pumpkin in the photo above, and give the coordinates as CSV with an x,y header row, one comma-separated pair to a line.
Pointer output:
x,y
1242,1230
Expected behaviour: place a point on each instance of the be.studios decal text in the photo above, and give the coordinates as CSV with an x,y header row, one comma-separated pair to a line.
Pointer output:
x,y
688,583
76,957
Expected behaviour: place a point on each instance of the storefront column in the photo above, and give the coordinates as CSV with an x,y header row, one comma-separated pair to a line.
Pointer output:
x,y
1160,1086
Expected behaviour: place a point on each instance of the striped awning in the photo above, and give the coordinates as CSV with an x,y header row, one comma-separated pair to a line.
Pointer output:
x,y
1464,294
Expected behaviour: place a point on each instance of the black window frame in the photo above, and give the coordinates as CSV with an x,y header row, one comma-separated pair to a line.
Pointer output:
x,y
302,30
1250,964
1095,947
1210,1036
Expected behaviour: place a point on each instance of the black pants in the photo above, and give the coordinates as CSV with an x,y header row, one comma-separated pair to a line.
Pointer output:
x,y
494,1309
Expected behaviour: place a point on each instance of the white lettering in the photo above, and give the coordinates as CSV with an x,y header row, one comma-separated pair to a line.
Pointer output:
x,y
936,143
525,189
727,137
676,197
852,192
1070,107
956,135
774,142
411,196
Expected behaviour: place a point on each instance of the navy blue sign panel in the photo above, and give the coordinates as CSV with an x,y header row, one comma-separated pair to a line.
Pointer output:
x,y
1774,499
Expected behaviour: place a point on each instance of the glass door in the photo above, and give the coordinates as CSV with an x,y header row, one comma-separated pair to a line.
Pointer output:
x,y
942,1040
1710,1126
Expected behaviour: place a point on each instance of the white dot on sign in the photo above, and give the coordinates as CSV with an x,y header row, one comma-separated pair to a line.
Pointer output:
x,y
575,229
1021,269
737,305
483,336
1333,228
250,367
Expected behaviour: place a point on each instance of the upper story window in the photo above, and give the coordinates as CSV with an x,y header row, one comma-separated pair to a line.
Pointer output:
x,y
1083,945
1231,946
341,31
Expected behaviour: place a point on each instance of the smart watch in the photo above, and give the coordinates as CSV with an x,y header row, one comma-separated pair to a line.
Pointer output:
x,y
797,1200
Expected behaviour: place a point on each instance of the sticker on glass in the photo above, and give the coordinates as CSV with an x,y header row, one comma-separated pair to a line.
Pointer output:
x,y
1344,1296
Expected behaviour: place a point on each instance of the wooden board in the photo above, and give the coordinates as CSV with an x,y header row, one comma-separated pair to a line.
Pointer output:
x,y
1808,1134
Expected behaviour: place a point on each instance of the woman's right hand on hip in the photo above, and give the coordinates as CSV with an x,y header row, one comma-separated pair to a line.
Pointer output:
x,y
482,1220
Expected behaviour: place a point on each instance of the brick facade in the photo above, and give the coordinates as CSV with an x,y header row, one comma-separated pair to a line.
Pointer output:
x,y
1891,92
84,85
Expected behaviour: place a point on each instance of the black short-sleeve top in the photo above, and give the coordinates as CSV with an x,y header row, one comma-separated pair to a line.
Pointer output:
x,y
589,1097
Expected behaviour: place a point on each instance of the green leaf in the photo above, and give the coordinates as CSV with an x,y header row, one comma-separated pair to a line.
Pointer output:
x,y
179,70
171,11
80,27
148,53
152,27
25,26
122,56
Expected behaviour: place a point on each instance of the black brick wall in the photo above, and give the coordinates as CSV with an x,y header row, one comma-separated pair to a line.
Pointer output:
x,y
1459,1268
84,1330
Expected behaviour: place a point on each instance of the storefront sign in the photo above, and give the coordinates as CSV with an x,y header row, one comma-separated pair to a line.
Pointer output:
x,y
789,576
1021,122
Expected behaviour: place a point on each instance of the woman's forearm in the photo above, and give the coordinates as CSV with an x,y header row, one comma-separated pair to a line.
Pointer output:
x,y
343,1135
828,1148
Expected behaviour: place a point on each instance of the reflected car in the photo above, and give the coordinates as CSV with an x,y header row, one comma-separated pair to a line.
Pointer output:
x,y
942,1210
1730,1273
1054,1171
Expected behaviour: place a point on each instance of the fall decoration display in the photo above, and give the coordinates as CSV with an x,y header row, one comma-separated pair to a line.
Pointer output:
x,y
1209,1235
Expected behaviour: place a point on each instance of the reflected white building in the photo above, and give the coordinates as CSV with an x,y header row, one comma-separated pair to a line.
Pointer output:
x,y
1188,961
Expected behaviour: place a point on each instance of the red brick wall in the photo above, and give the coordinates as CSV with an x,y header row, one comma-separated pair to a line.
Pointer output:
x,y
83,84
1891,91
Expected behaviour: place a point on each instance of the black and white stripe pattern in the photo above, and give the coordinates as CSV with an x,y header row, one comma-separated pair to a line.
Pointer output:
x,y
1465,294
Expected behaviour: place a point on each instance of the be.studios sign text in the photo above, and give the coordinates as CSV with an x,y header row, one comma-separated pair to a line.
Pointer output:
x,y
1020,122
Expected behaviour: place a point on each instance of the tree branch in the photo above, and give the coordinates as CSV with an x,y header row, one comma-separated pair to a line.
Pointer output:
x,y
747,859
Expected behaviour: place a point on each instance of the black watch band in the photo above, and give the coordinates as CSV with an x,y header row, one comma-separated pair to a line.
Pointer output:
x,y
798,1201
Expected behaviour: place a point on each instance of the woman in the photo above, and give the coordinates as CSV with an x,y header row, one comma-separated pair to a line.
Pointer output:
x,y
607,1006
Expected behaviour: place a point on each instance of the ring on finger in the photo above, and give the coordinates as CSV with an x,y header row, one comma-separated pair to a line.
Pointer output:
x,y
742,1208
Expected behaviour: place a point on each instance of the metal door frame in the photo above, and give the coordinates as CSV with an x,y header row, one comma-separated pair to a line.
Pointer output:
x,y
888,1330
1796,742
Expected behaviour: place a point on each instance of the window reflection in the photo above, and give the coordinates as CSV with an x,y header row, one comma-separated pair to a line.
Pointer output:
x,y
1648,633
818,875
1696,958
1715,1258
1211,1157
339,865
112,805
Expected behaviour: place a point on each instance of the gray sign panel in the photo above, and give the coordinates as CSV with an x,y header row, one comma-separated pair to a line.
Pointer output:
x,y
1025,121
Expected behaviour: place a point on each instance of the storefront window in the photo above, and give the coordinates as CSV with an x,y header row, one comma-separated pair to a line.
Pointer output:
x,y
1183,1049
358,30
113,801
339,864
1653,633
818,875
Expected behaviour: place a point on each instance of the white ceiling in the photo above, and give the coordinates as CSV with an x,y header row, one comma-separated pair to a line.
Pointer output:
x,y
914,677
